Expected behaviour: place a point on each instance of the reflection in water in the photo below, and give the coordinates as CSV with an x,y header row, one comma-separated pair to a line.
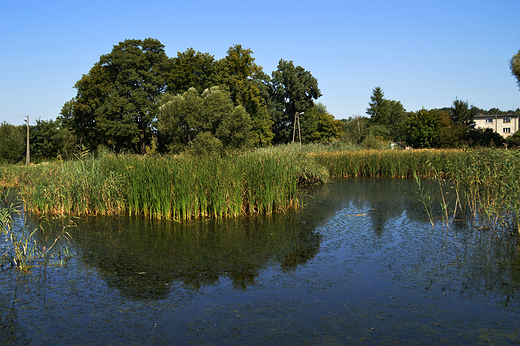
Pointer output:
x,y
359,264
143,257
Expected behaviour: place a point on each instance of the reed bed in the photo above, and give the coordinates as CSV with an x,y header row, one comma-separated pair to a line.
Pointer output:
x,y
389,163
263,181
177,188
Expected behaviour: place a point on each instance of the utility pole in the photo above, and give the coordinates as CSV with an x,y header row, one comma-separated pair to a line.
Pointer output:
x,y
27,160
297,119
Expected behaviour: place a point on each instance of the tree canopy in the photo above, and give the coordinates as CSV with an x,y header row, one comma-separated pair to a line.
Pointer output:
x,y
116,101
191,69
292,89
210,120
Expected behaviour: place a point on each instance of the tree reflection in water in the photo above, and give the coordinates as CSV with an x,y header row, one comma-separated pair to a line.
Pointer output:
x,y
143,257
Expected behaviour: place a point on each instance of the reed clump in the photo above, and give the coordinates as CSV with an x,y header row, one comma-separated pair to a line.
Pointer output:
x,y
388,163
177,188
20,247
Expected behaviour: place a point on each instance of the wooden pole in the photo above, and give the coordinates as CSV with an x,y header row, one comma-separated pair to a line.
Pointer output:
x,y
27,159
294,127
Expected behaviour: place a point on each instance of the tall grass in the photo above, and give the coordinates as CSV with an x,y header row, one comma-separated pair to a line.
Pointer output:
x,y
389,163
177,188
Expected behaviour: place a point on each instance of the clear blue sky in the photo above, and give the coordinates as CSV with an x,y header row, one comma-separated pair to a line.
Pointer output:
x,y
422,53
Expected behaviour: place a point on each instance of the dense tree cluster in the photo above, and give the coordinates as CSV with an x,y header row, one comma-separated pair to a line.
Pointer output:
x,y
136,98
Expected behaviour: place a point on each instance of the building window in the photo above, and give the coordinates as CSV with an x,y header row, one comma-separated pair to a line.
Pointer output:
x,y
507,120
489,120
507,130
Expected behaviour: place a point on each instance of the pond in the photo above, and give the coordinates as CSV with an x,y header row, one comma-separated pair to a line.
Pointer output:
x,y
360,263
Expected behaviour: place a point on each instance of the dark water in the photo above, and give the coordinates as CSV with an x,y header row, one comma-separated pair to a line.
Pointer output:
x,y
359,264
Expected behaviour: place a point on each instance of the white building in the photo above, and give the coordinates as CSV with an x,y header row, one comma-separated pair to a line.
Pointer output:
x,y
505,125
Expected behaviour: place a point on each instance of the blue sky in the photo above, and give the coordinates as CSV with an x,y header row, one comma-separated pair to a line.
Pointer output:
x,y
422,53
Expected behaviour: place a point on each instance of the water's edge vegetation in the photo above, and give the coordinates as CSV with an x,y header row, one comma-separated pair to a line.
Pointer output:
x,y
263,181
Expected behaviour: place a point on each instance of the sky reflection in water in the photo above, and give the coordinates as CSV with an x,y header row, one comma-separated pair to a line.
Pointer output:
x,y
359,264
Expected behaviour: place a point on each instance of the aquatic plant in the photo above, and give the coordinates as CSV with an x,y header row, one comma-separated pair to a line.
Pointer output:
x,y
20,247
178,188
263,181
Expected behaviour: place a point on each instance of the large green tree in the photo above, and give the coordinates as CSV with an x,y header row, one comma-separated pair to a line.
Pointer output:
x,y
514,63
12,143
46,140
292,89
387,113
116,103
422,129
244,79
196,121
461,113
319,126
378,107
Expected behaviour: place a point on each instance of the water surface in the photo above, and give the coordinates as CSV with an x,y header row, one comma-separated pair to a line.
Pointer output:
x,y
358,264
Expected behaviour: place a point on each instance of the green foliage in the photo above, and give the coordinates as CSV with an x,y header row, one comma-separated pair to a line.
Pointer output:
x,y
451,135
292,89
116,103
191,69
261,125
356,129
514,140
378,107
422,128
461,112
12,143
484,138
495,111
205,144
184,187
388,113
234,130
182,118
514,63
319,126
47,140
244,79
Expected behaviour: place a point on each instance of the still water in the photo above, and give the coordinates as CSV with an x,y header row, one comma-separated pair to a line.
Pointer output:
x,y
358,264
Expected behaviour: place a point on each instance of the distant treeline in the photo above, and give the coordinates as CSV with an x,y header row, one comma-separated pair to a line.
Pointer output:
x,y
448,127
